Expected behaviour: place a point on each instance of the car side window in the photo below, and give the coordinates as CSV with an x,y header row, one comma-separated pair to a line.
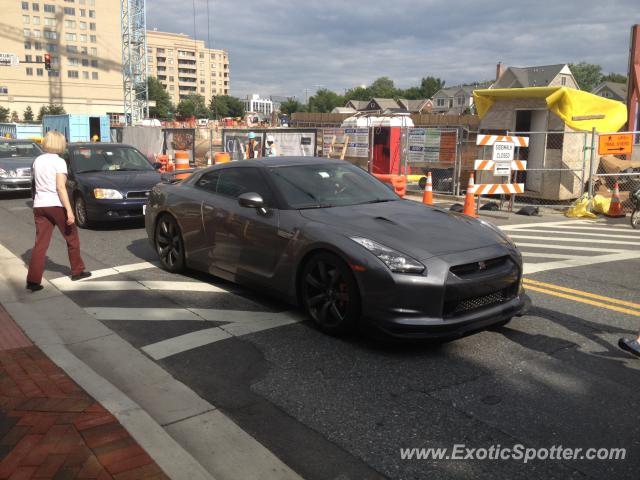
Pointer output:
x,y
208,181
236,181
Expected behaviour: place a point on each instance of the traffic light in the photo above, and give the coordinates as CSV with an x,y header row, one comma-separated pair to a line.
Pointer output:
x,y
47,61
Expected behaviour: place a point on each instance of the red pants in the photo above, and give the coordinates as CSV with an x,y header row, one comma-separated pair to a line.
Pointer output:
x,y
46,218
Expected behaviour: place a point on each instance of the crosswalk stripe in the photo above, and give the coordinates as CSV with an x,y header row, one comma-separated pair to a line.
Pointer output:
x,y
598,229
546,255
570,247
579,261
574,240
115,285
183,343
586,234
143,314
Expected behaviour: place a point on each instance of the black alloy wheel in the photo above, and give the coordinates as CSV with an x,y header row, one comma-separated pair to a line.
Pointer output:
x,y
635,218
330,294
169,244
80,212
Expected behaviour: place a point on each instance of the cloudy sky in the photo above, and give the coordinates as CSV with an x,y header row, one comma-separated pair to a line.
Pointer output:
x,y
282,47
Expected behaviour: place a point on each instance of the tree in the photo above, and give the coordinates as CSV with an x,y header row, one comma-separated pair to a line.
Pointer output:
x,y
4,114
222,106
52,109
324,101
430,85
15,118
164,109
587,75
193,106
291,106
383,87
28,114
358,93
614,77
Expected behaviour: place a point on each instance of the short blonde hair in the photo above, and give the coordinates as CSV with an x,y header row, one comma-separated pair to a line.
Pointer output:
x,y
54,142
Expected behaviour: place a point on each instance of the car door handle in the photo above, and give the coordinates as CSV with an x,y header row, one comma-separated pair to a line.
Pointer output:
x,y
209,208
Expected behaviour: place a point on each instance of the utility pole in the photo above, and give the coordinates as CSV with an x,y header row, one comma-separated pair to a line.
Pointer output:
x,y
134,60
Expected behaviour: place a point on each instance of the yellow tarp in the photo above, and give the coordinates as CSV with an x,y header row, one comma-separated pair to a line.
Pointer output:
x,y
567,103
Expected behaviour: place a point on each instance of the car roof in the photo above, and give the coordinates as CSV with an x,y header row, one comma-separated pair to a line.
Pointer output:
x,y
18,140
284,161
97,144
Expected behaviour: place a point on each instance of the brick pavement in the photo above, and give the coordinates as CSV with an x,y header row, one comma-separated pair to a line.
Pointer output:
x,y
52,429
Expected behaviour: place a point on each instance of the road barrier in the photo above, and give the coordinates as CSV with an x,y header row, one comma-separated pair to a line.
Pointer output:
x,y
399,182
182,163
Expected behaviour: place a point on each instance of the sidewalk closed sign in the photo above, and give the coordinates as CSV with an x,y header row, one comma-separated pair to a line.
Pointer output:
x,y
502,156
615,143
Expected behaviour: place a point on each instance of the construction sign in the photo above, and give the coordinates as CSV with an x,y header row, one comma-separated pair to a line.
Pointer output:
x,y
615,143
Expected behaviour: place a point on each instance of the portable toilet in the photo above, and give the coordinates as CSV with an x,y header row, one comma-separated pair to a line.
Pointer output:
x,y
79,128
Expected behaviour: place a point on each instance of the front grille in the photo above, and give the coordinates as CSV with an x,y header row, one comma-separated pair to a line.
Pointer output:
x,y
456,307
143,194
475,267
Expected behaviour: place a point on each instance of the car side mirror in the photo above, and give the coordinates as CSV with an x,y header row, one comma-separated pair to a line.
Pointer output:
x,y
157,165
251,200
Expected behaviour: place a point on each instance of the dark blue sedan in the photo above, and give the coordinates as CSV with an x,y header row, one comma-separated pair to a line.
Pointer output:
x,y
108,182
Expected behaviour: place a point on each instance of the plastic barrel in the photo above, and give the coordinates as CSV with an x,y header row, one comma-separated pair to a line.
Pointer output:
x,y
182,163
222,157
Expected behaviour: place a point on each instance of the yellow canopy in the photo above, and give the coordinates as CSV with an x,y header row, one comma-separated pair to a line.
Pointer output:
x,y
575,107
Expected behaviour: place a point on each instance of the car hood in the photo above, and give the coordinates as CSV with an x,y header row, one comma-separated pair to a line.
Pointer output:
x,y
121,181
409,227
16,162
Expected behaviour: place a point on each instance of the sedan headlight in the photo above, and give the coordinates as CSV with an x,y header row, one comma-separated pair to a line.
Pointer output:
x,y
3,173
8,173
396,261
106,194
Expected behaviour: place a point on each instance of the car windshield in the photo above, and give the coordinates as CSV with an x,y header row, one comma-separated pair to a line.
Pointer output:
x,y
19,149
328,185
108,158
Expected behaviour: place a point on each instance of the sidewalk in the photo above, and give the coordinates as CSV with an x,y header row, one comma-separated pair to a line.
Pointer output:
x,y
51,428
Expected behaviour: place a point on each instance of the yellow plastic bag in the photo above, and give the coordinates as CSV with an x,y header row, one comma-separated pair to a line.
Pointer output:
x,y
600,204
580,208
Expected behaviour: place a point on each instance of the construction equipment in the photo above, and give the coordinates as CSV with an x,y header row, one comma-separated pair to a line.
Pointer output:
x,y
134,60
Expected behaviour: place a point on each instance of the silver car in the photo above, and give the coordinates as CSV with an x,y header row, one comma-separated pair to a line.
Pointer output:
x,y
16,159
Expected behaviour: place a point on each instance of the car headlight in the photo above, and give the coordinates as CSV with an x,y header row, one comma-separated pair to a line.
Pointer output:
x,y
3,173
396,261
8,173
106,194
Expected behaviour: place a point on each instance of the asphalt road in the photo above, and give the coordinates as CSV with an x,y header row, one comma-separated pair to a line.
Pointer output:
x,y
343,408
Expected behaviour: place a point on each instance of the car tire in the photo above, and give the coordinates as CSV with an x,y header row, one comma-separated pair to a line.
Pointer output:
x,y
80,212
169,244
330,295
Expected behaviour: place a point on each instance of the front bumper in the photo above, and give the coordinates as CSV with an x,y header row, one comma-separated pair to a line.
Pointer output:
x,y
8,184
450,300
114,210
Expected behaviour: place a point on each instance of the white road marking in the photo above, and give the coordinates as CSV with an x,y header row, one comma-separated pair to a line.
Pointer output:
x,y
545,255
540,224
240,323
182,343
569,247
579,261
603,228
106,285
586,234
106,272
575,240
143,314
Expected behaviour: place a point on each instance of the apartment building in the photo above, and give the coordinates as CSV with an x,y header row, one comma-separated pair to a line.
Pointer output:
x,y
83,38
186,67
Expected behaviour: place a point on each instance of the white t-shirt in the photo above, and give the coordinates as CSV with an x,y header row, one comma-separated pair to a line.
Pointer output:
x,y
45,168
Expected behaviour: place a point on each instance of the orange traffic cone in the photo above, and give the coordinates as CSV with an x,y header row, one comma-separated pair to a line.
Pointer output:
x,y
427,196
615,209
470,201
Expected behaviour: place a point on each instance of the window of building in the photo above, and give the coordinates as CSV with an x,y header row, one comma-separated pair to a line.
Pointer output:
x,y
83,50
25,19
72,74
35,20
83,25
149,59
4,90
50,22
94,75
69,11
53,73
50,35
25,5
70,24
72,49
36,33
26,32
83,37
171,87
40,72
83,12
70,1
94,51
51,47
38,45
201,89
563,81
93,39
92,26
73,61
85,62
440,102
94,63
85,75
49,8
55,61
35,7
28,58
70,36
159,51
38,58
29,71
460,100
27,45
92,14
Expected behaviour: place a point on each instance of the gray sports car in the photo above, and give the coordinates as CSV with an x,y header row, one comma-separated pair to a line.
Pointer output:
x,y
16,159
328,236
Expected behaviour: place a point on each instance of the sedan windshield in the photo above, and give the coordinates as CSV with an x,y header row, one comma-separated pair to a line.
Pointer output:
x,y
328,185
108,158
19,149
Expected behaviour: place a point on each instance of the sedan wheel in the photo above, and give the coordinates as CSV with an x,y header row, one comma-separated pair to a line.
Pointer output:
x,y
80,212
330,294
169,244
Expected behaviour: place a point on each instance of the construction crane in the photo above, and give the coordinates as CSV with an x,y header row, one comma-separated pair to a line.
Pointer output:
x,y
134,60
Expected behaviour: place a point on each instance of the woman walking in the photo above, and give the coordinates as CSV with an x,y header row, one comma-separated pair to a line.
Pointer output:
x,y
51,208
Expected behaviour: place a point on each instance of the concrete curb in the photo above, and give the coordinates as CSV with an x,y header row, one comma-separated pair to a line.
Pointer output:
x,y
186,436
